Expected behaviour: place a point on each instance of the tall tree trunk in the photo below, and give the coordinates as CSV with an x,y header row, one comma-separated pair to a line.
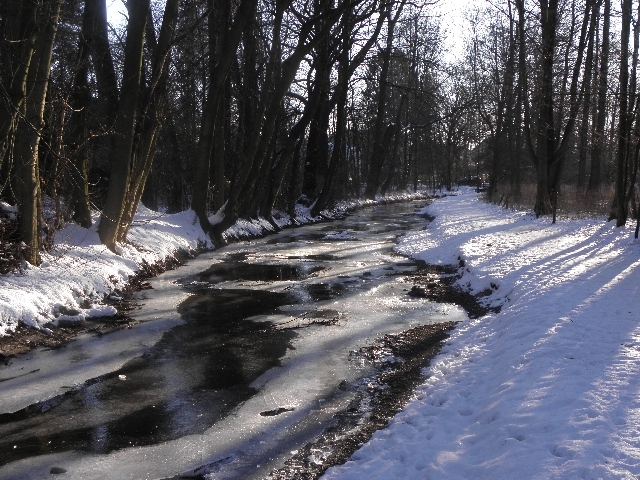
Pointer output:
x,y
18,49
77,130
288,152
546,127
599,137
523,84
27,172
586,106
338,150
375,167
247,176
152,114
393,150
317,142
124,127
552,146
619,211
217,79
97,37
218,22
253,167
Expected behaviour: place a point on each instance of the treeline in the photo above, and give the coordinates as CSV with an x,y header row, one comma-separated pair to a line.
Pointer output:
x,y
253,106
555,95
246,105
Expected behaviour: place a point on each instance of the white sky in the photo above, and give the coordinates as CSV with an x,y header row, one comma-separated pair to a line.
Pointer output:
x,y
116,11
452,12
453,21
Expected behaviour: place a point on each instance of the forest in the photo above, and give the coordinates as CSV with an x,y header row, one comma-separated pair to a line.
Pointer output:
x,y
249,107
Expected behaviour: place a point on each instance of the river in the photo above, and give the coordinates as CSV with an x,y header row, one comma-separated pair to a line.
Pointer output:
x,y
240,358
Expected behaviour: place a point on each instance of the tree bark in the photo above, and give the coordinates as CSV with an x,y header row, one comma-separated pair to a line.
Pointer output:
x,y
98,39
248,175
551,145
393,150
338,150
586,106
288,150
373,179
124,127
18,49
27,172
546,128
77,130
599,137
619,211
152,115
215,92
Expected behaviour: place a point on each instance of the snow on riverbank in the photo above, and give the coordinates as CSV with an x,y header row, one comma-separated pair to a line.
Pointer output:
x,y
79,271
547,388
77,274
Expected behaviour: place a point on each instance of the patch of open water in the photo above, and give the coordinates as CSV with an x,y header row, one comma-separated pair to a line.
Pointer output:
x,y
263,347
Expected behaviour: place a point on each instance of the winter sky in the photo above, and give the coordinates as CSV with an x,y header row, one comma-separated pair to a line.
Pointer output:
x,y
452,14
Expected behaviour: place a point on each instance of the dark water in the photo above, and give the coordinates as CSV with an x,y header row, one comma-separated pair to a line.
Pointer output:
x,y
192,378
257,272
199,372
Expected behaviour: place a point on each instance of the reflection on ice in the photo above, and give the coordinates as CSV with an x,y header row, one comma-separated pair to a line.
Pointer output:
x,y
258,366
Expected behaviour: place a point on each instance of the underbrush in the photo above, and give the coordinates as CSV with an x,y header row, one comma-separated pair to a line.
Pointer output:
x,y
571,203
11,250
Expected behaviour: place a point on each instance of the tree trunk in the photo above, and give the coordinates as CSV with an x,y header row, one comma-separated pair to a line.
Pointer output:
x,y
584,125
27,172
98,39
619,211
288,151
258,149
393,151
546,128
375,167
77,130
152,115
18,47
215,91
552,146
599,137
124,127
317,142
338,149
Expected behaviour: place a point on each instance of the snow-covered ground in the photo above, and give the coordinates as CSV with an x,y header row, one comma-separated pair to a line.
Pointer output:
x,y
79,272
547,388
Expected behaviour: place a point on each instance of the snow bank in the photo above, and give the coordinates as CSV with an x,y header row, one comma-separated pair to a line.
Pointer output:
x,y
243,229
547,388
79,271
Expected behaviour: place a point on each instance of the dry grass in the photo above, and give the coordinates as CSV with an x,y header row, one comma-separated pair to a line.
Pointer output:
x,y
571,203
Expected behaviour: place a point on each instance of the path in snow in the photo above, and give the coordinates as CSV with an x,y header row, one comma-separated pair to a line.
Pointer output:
x,y
547,388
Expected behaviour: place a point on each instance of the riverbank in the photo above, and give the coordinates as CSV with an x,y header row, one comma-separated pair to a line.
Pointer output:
x,y
343,287
401,360
543,386
82,286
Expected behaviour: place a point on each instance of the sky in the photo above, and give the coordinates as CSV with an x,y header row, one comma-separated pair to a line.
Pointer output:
x,y
116,11
452,12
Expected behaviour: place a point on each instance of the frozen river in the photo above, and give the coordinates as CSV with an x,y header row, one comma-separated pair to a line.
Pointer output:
x,y
240,358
